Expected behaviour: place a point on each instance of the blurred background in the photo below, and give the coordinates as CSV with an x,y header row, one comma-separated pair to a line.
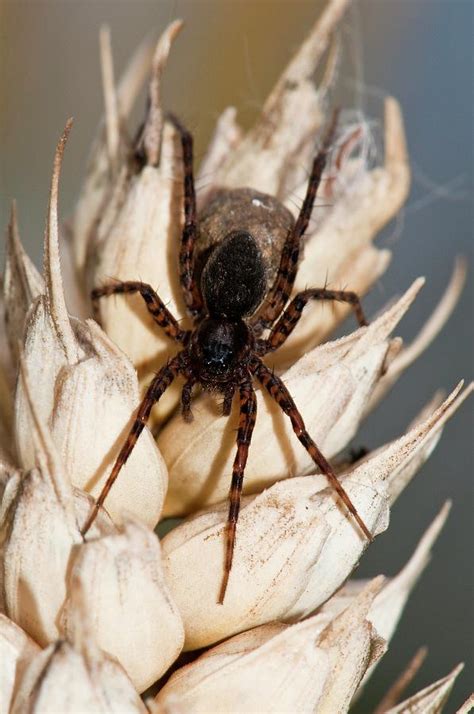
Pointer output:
x,y
231,52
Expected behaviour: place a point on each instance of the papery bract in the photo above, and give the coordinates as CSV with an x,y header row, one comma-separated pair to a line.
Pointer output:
x,y
38,528
85,391
388,605
16,649
313,666
119,579
431,699
295,546
331,386
137,236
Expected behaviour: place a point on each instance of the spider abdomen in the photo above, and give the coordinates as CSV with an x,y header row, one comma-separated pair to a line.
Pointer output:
x,y
244,209
233,281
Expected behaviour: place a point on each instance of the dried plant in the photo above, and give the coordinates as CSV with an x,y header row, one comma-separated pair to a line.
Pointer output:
x,y
89,625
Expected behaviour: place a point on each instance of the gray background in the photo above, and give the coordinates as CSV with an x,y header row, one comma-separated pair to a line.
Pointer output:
x,y
231,53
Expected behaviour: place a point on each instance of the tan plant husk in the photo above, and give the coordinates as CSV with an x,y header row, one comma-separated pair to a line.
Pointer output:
x,y
114,611
251,672
331,386
87,390
301,532
71,676
16,650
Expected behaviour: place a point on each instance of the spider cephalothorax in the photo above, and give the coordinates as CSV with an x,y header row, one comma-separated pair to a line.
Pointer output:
x,y
234,293
219,348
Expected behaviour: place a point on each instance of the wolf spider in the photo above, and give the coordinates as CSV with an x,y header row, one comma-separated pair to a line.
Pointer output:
x,y
223,352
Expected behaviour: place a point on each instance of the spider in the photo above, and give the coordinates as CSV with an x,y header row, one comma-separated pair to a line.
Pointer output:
x,y
231,305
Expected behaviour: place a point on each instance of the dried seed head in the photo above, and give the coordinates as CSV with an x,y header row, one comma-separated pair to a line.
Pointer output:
x,y
253,669
301,533
16,650
344,236
119,580
296,545
85,391
102,166
38,529
467,706
75,676
331,386
22,283
61,679
227,135
141,221
272,155
428,332
431,699
116,577
273,158
388,605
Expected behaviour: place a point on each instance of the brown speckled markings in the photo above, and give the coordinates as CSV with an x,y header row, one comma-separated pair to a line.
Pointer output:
x,y
155,306
259,214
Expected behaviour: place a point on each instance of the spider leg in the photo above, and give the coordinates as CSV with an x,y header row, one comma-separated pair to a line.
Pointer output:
x,y
156,307
228,397
186,401
289,319
287,270
191,293
154,392
248,414
283,398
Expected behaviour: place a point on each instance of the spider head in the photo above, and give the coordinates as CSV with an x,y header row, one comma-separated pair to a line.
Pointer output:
x,y
219,346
